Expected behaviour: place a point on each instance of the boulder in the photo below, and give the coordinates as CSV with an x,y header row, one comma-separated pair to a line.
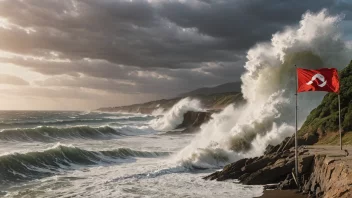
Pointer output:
x,y
259,164
271,174
193,120
231,171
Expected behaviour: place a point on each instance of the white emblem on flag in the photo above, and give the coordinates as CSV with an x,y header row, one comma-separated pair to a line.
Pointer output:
x,y
320,77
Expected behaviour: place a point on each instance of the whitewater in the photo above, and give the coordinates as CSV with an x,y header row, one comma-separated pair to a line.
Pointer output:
x,y
100,154
97,154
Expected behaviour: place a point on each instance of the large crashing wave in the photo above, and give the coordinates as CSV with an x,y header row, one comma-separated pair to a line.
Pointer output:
x,y
174,117
268,85
33,165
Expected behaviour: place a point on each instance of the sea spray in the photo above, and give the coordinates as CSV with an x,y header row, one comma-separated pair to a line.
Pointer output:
x,y
268,85
174,117
159,111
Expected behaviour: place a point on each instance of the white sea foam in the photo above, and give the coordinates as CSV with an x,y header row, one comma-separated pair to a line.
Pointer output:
x,y
268,85
174,117
158,111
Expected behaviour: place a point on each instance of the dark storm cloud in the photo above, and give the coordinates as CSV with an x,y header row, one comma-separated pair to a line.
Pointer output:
x,y
241,24
136,32
144,46
123,32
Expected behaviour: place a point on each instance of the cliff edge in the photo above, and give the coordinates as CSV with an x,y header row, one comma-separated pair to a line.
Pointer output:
x,y
324,171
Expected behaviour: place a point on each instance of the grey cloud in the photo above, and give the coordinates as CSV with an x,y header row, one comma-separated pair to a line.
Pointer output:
x,y
122,46
88,82
70,98
145,34
242,23
122,32
12,80
102,75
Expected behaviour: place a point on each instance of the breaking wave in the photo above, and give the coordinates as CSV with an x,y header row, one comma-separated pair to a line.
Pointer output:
x,y
268,85
11,124
174,117
55,122
34,165
52,134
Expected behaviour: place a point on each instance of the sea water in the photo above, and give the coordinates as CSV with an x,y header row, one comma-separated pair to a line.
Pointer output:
x,y
95,154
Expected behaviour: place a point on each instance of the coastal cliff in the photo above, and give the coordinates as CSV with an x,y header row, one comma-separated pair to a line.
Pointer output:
x,y
324,171
331,172
212,101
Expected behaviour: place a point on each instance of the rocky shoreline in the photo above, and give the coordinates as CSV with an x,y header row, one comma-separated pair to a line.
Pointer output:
x,y
323,171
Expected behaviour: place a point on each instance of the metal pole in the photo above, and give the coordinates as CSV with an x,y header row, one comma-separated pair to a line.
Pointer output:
x,y
296,144
340,128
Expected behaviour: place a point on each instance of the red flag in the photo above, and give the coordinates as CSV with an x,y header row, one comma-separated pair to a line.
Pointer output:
x,y
325,79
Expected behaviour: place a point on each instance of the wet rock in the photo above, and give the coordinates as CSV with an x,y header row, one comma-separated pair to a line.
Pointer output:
x,y
258,164
318,192
193,120
231,171
305,164
242,177
322,172
288,184
213,176
270,186
271,174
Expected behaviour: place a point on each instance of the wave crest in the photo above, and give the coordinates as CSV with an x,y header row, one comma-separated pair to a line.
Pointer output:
x,y
52,134
34,165
174,117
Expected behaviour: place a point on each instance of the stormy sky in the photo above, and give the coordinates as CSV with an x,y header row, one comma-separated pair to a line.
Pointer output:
x,y
85,54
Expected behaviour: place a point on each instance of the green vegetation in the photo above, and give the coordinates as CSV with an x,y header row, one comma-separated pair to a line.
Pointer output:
x,y
220,100
212,101
323,121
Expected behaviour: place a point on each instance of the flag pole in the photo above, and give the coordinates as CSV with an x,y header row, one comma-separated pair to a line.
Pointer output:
x,y
296,116
340,128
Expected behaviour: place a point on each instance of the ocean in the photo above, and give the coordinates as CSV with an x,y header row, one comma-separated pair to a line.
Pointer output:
x,y
95,154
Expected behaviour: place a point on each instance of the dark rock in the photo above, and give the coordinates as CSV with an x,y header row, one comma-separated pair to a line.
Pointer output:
x,y
270,186
242,177
236,166
230,171
308,139
271,174
305,163
212,176
233,175
271,149
318,192
288,184
250,160
286,144
259,164
193,120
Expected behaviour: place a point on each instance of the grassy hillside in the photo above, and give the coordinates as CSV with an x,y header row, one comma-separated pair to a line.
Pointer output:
x,y
322,124
224,88
212,101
